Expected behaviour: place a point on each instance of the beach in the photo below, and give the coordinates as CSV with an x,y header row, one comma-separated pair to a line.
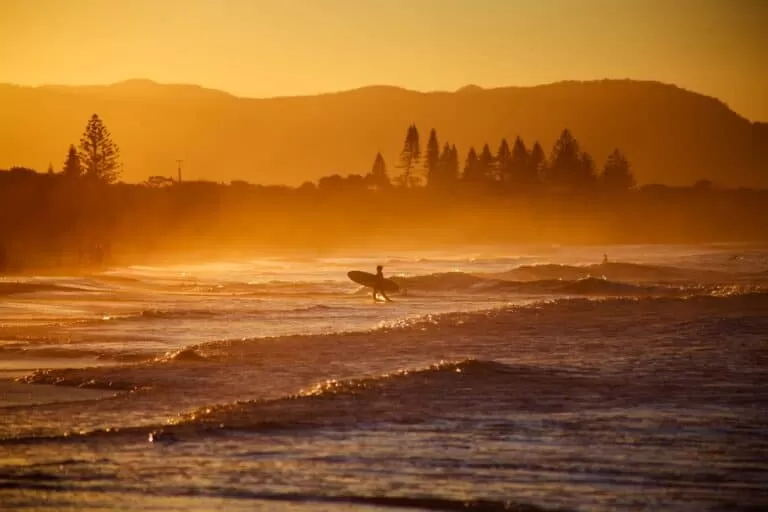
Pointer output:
x,y
540,378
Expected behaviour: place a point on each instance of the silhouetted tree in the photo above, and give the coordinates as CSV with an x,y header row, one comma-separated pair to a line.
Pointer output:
x,y
503,159
432,156
588,171
331,183
519,164
617,174
453,164
536,163
566,167
487,163
471,168
445,155
337,184
50,168
355,182
447,171
409,158
72,168
437,178
378,176
307,187
99,155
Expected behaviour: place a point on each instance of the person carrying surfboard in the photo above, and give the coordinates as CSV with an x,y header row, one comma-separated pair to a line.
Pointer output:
x,y
380,284
376,288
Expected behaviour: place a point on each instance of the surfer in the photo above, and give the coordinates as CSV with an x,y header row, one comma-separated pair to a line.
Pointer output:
x,y
379,278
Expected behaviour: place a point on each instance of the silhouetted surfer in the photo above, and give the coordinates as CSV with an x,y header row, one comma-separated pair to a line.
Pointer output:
x,y
379,278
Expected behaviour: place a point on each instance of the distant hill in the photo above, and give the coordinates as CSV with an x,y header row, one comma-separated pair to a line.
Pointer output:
x,y
670,135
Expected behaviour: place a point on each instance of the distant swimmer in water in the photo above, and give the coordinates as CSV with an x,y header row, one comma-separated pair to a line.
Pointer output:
x,y
605,259
376,289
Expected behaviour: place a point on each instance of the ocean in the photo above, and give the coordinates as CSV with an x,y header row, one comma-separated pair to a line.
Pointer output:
x,y
515,378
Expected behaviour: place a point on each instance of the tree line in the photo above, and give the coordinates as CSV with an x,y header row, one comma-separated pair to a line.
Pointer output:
x,y
512,168
82,215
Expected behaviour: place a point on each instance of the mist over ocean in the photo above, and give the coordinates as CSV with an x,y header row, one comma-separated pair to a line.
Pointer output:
x,y
539,378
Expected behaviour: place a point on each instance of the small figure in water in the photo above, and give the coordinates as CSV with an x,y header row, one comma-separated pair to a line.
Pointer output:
x,y
379,278
605,259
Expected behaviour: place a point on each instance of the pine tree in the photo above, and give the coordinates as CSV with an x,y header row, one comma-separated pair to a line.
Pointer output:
x,y
471,168
439,177
50,168
537,163
72,168
503,160
409,158
519,163
451,170
587,172
432,157
565,162
617,173
379,177
486,162
447,168
453,163
99,155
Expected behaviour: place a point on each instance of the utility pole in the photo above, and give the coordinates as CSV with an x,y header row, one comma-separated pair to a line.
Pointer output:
x,y
179,168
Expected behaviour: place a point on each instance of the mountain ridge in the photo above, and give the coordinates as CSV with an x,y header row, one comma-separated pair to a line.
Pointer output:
x,y
670,134
147,82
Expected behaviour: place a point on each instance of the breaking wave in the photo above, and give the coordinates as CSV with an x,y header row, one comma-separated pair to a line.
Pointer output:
x,y
408,396
584,285
619,271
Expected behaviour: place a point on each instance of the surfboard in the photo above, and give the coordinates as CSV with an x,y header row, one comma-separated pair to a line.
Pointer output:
x,y
370,280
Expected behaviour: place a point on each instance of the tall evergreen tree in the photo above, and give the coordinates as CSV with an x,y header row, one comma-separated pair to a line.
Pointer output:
x,y
409,158
588,174
565,162
536,163
519,162
439,175
379,177
432,157
452,166
503,160
448,167
471,168
445,154
72,167
617,174
99,155
486,162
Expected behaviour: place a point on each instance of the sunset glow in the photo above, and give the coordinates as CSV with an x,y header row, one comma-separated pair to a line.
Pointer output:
x,y
297,47
383,255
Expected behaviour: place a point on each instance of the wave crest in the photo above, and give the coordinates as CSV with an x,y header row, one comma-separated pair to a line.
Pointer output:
x,y
445,390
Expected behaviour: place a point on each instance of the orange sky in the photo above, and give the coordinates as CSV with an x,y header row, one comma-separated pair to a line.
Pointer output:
x,y
287,47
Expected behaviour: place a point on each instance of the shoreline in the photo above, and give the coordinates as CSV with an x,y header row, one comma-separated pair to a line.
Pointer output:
x,y
191,257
